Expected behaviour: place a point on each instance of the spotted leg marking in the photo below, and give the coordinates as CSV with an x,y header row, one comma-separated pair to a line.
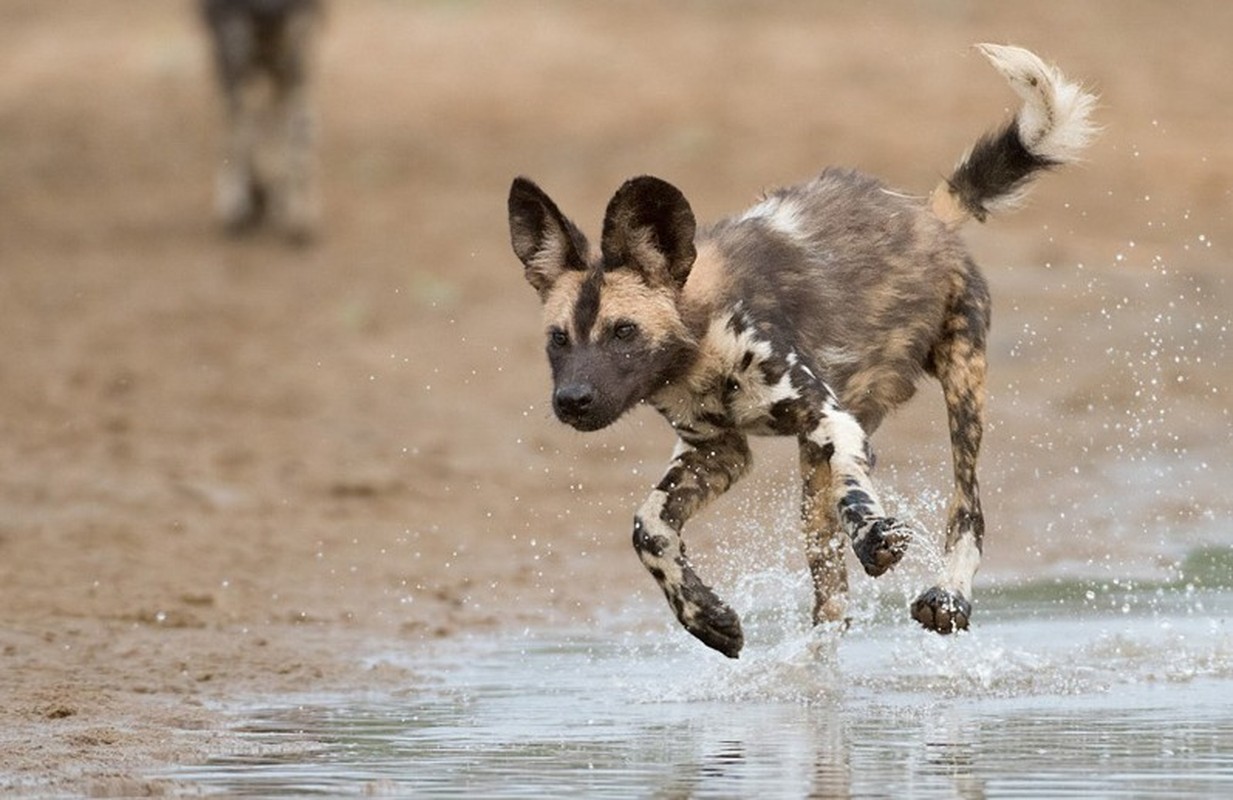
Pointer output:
x,y
960,365
838,441
840,495
698,473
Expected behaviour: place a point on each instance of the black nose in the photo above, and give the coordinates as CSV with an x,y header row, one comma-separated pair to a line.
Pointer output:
x,y
573,400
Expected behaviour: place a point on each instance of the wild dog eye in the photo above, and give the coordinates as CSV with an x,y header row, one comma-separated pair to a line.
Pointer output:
x,y
558,337
625,330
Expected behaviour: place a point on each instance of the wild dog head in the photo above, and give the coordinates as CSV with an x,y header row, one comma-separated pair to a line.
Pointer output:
x,y
612,322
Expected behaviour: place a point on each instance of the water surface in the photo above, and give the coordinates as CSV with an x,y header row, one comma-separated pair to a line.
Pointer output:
x,y
1063,688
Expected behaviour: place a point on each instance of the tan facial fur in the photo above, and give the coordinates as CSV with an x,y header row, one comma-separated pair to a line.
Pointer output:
x,y
625,297
559,299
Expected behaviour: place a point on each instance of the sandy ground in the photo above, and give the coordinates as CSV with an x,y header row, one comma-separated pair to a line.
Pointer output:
x,y
228,470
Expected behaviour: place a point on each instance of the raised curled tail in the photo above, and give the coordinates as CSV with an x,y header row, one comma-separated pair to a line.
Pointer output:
x,y
1051,128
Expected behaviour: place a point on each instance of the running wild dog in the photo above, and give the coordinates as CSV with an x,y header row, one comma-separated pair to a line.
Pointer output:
x,y
263,53
812,314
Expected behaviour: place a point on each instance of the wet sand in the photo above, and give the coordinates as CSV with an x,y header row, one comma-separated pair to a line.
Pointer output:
x,y
227,469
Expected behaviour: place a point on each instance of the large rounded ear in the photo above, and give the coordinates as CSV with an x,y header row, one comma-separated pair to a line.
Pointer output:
x,y
650,228
545,241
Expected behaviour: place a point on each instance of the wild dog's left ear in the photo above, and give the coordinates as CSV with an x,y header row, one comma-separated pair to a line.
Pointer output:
x,y
650,228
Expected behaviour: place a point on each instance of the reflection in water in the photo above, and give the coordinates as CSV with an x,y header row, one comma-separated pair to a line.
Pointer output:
x,y
1043,703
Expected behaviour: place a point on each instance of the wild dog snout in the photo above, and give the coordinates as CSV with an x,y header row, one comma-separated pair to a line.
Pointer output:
x,y
574,402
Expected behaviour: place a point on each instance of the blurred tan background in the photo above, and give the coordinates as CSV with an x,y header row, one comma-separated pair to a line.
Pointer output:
x,y
223,464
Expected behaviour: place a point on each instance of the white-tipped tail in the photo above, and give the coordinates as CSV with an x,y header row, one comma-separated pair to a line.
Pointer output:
x,y
1056,119
1052,127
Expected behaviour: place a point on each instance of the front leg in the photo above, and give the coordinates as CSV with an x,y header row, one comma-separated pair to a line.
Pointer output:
x,y
824,540
838,442
698,472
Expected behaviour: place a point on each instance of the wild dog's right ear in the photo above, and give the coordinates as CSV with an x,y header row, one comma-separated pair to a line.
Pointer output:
x,y
650,228
545,241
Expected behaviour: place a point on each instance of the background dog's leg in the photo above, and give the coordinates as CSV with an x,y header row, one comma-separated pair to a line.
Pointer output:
x,y
824,542
237,195
839,442
697,474
299,204
959,361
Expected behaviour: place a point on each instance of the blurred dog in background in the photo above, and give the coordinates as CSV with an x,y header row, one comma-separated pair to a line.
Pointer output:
x,y
264,52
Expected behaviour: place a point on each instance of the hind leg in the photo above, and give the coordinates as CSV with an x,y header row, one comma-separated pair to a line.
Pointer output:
x,y
238,196
298,201
959,363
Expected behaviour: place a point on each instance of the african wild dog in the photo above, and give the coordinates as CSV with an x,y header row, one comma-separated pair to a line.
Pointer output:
x,y
263,53
812,314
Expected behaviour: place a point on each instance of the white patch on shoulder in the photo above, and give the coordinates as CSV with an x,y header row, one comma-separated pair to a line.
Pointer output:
x,y
780,213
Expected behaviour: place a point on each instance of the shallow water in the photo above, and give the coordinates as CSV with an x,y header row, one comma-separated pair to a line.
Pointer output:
x,y
1061,689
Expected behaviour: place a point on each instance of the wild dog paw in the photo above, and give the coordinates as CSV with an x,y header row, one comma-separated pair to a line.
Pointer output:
x,y
719,628
942,610
881,544
708,618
